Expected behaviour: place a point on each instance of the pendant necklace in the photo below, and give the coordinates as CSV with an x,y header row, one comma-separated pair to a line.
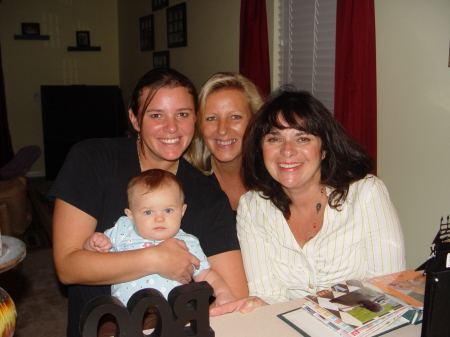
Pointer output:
x,y
318,207
139,155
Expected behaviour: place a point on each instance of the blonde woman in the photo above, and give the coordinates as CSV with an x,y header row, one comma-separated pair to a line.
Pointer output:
x,y
227,101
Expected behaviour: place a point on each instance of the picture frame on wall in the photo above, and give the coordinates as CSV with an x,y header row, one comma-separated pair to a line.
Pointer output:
x,y
30,28
161,59
159,4
147,32
176,26
83,38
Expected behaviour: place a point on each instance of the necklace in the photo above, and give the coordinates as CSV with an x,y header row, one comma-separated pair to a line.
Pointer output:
x,y
139,156
318,207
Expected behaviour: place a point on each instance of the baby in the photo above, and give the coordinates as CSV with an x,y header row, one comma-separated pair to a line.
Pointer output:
x,y
156,206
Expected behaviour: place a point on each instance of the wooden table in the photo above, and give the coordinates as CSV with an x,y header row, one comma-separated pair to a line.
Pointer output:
x,y
264,322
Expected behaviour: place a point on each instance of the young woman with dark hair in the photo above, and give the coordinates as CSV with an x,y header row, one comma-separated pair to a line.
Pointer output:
x,y
90,193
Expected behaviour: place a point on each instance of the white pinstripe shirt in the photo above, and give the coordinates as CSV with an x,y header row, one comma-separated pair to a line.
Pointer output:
x,y
362,240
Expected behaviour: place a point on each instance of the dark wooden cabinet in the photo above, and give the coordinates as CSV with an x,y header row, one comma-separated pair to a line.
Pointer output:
x,y
76,112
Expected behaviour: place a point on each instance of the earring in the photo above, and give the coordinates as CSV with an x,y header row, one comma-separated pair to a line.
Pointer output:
x,y
323,156
139,138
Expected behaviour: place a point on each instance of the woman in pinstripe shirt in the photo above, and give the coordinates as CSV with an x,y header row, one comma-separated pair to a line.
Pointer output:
x,y
314,214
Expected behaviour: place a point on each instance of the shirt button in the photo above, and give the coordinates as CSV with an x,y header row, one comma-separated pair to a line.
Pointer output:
x,y
311,286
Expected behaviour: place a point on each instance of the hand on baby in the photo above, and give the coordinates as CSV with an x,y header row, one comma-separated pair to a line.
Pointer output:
x,y
100,243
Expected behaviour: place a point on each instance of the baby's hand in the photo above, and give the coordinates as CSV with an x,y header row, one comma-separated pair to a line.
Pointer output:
x,y
100,242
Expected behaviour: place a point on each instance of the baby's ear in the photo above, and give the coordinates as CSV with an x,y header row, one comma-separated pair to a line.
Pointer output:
x,y
183,210
129,214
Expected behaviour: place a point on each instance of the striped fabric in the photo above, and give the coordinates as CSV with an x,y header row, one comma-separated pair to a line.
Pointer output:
x,y
362,240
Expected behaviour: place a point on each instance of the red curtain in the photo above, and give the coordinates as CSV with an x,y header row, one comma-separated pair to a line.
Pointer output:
x,y
355,101
254,44
6,149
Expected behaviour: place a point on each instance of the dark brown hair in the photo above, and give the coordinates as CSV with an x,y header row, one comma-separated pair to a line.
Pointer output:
x,y
154,80
152,180
346,160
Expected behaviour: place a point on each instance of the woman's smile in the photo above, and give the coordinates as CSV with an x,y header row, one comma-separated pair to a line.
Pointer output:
x,y
223,125
292,157
167,125
225,142
170,140
289,166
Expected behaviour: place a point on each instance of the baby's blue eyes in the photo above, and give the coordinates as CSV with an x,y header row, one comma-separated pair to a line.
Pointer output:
x,y
167,210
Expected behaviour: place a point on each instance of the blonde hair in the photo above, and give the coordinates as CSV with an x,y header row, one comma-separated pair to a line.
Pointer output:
x,y
198,153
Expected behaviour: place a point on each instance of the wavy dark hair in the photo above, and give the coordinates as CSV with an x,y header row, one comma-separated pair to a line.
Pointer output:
x,y
346,160
154,80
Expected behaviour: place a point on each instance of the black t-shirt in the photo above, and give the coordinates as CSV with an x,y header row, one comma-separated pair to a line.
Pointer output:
x,y
94,178
213,177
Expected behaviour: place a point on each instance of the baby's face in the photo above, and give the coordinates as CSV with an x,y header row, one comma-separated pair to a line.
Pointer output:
x,y
156,214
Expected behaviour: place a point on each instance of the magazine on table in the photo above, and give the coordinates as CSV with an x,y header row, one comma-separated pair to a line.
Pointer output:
x,y
351,308
408,286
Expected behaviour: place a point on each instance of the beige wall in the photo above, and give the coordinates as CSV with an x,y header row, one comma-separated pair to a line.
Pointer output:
x,y
414,115
213,45
212,34
29,64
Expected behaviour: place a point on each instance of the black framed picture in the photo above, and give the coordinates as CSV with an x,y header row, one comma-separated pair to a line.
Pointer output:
x,y
30,28
147,31
159,4
161,59
176,26
83,38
